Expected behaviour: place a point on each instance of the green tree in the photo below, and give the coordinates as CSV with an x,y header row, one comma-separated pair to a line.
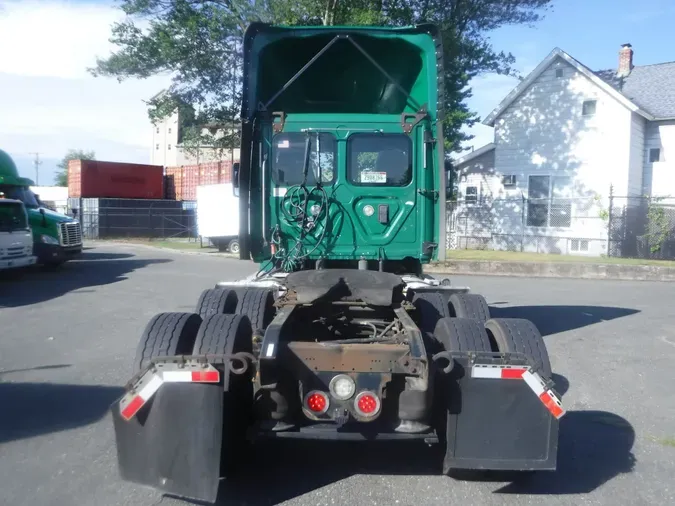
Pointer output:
x,y
61,178
198,43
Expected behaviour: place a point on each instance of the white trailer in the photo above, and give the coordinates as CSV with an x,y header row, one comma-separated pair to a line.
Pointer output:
x,y
218,216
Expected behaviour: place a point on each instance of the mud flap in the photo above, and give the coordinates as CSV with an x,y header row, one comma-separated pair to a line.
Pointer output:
x,y
174,442
497,425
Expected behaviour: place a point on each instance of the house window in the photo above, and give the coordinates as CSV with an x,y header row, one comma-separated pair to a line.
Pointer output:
x,y
157,129
654,155
547,204
157,146
509,180
579,245
169,129
588,108
169,147
471,195
558,73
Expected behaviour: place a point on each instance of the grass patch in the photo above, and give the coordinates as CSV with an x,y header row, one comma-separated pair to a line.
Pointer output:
x,y
176,244
514,256
665,441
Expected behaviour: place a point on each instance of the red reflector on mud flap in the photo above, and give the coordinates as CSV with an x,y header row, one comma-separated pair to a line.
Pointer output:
x,y
150,382
533,380
132,408
205,376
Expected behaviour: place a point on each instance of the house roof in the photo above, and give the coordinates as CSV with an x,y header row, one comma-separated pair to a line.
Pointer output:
x,y
651,87
475,153
601,82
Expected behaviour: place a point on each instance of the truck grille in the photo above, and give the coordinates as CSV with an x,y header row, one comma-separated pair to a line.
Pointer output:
x,y
71,234
14,252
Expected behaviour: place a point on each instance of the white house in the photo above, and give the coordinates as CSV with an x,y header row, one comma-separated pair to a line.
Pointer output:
x,y
167,146
562,137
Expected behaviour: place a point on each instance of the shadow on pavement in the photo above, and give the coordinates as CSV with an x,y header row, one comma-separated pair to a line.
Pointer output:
x,y
282,470
42,408
92,269
594,447
554,319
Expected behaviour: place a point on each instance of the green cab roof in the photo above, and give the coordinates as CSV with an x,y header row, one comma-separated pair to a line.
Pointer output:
x,y
342,69
9,174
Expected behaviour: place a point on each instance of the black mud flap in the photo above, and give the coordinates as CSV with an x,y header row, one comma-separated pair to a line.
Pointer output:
x,y
497,424
174,442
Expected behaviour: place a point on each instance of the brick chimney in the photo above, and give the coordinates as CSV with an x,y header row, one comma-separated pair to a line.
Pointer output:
x,y
625,60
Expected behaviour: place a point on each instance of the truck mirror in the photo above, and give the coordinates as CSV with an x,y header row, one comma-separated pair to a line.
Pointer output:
x,y
235,178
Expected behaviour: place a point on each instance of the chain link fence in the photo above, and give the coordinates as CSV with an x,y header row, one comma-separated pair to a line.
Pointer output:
x,y
140,222
559,226
641,227
632,227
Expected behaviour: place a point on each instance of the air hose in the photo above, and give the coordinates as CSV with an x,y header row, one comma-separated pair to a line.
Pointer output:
x,y
303,209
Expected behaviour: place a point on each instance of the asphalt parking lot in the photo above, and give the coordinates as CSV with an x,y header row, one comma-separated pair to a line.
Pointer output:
x,y
67,339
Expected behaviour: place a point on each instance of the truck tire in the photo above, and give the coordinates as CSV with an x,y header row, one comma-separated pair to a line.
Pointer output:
x,y
233,246
216,301
470,305
166,335
258,305
431,307
223,334
516,335
461,334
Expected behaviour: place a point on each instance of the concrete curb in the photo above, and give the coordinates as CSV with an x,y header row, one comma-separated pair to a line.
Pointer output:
x,y
567,270
213,254
554,270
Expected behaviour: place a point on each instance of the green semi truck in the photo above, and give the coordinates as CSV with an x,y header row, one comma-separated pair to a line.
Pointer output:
x,y
56,237
340,335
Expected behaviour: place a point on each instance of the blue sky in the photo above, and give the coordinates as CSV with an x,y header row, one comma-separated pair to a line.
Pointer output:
x,y
50,104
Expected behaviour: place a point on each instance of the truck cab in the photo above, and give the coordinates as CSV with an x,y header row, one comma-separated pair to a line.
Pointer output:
x,y
16,240
56,237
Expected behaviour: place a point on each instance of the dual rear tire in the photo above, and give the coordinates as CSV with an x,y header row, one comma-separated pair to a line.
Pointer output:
x,y
223,324
463,323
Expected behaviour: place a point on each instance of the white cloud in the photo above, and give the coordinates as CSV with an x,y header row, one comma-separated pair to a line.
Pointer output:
x,y
49,102
54,37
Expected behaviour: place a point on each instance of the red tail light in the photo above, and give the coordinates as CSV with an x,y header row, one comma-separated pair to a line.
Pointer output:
x,y
367,404
317,402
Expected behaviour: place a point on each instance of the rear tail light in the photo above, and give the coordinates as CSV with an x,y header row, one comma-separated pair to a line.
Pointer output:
x,y
316,402
367,404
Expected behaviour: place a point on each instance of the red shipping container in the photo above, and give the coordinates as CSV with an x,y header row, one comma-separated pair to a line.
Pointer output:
x,y
190,182
225,172
174,183
95,179
209,173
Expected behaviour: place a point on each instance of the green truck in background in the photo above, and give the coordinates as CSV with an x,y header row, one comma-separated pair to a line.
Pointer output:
x,y
56,237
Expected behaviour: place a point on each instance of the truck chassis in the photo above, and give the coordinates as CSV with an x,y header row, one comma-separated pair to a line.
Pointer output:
x,y
334,354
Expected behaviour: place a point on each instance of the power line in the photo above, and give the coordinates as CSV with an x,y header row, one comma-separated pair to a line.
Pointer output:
x,y
36,163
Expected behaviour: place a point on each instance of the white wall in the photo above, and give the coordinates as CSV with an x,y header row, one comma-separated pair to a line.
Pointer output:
x,y
637,156
543,132
659,178
163,150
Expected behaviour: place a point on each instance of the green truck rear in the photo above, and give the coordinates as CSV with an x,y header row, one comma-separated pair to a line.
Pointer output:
x,y
339,335
56,237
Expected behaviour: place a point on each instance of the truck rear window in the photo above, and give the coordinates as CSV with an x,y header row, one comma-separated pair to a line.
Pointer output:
x,y
379,159
288,155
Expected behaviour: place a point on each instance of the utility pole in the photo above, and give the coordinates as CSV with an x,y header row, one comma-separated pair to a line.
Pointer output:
x,y
37,162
